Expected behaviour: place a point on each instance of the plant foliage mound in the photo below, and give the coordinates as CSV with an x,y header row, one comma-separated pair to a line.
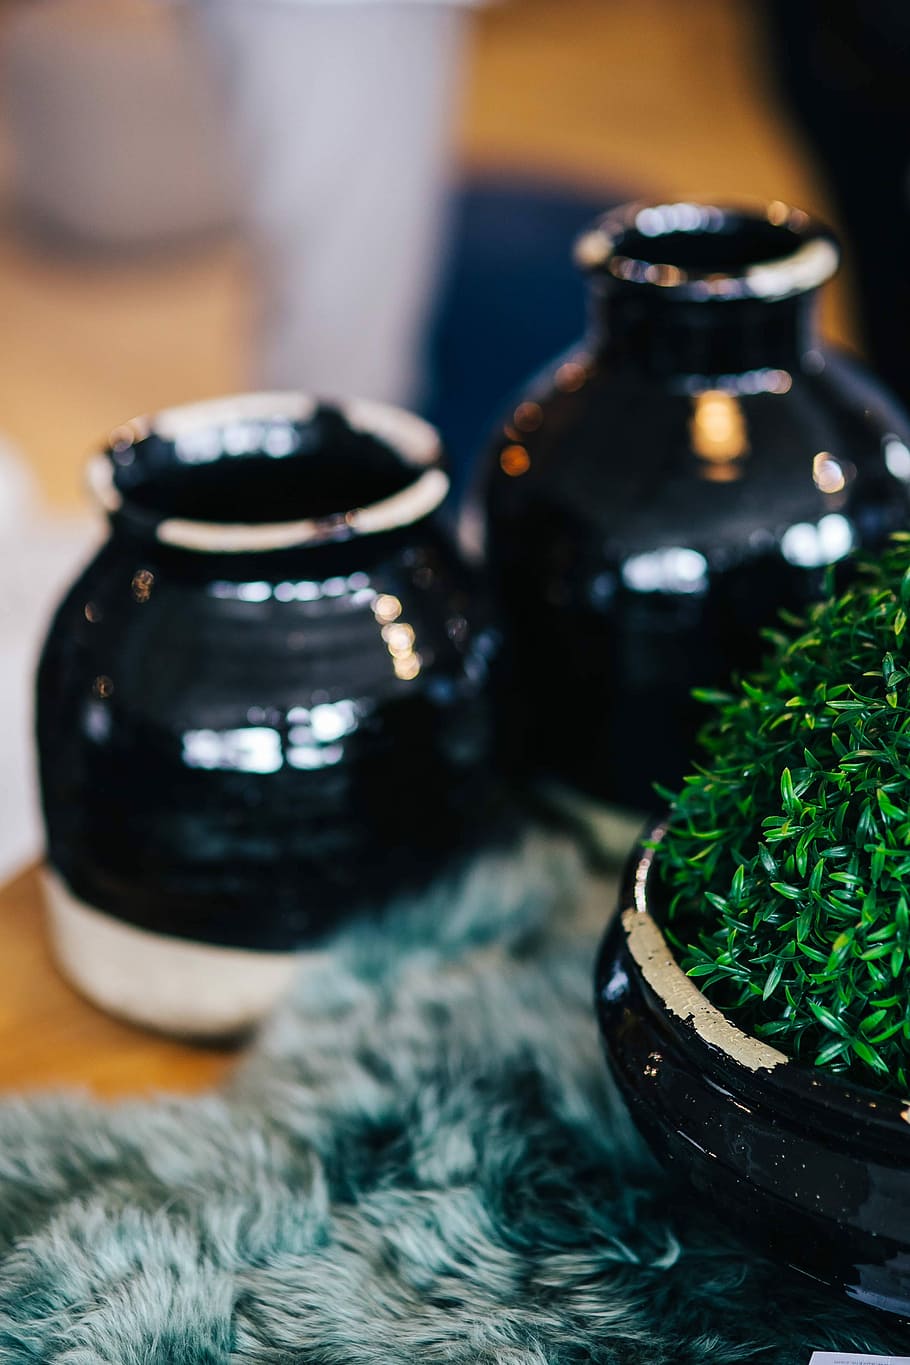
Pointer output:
x,y
786,865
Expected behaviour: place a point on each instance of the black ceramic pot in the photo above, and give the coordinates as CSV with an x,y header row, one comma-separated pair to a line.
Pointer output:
x,y
658,494
262,707
815,1172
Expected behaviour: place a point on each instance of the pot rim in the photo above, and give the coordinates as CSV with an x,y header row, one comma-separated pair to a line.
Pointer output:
x,y
413,440
814,258
716,1039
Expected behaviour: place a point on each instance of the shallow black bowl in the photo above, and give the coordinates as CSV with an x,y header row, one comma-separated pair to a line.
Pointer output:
x,y
813,1171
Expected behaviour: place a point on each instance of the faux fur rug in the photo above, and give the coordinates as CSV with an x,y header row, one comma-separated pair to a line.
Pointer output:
x,y
420,1160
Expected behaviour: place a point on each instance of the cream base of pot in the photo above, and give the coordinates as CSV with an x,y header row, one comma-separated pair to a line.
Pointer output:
x,y
169,984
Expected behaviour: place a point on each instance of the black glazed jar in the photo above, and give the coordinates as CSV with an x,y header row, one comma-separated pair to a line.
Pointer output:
x,y
262,707
661,492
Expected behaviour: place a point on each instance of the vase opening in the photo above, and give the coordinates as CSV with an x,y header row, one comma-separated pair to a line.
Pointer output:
x,y
701,250
281,466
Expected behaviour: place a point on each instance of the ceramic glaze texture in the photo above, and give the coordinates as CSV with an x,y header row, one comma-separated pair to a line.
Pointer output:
x,y
657,495
263,705
816,1172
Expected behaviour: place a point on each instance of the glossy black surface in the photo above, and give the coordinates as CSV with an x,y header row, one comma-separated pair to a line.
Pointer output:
x,y
812,1171
657,495
240,747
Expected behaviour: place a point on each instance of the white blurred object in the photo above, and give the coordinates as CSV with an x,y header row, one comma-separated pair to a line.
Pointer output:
x,y
114,137
40,555
337,121
341,116
18,494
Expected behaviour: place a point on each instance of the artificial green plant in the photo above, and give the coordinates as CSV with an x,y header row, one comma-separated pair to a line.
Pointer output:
x,y
786,864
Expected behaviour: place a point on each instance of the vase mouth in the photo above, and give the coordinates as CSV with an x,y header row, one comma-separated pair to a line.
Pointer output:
x,y
258,472
713,1034
701,251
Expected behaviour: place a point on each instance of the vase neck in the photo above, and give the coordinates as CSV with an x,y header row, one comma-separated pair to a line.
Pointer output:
x,y
664,337
695,290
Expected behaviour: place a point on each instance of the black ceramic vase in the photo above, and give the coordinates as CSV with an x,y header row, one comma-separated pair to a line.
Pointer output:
x,y
813,1171
657,495
262,708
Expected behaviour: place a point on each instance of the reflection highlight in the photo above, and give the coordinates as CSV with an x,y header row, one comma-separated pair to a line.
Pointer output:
x,y
672,570
828,474
811,547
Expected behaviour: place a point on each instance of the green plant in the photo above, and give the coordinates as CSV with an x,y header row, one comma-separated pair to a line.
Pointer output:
x,y
786,865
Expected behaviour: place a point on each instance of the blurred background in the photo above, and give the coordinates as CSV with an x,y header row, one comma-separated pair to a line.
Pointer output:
x,y
209,196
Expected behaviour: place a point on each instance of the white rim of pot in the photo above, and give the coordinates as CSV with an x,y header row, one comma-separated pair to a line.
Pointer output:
x,y
806,267
677,992
415,441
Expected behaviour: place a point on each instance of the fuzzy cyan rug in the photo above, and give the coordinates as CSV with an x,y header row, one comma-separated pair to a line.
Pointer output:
x,y
419,1160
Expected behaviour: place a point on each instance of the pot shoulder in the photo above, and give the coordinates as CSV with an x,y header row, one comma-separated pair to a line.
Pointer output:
x,y
639,465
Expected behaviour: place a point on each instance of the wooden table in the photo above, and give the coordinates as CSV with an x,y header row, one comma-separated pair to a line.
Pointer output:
x,y
51,1037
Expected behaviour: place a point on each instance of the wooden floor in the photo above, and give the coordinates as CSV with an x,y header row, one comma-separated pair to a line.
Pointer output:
x,y
49,1036
663,96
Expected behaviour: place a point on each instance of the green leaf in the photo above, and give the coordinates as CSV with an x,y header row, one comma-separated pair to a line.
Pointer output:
x,y
785,868
887,806
827,1019
868,1055
773,980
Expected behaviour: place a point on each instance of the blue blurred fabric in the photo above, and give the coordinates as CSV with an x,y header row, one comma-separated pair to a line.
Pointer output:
x,y
511,299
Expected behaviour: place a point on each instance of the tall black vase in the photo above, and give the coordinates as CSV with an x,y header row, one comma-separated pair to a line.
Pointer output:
x,y
657,495
262,709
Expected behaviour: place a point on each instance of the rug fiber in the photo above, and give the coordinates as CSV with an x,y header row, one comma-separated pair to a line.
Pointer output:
x,y
419,1160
